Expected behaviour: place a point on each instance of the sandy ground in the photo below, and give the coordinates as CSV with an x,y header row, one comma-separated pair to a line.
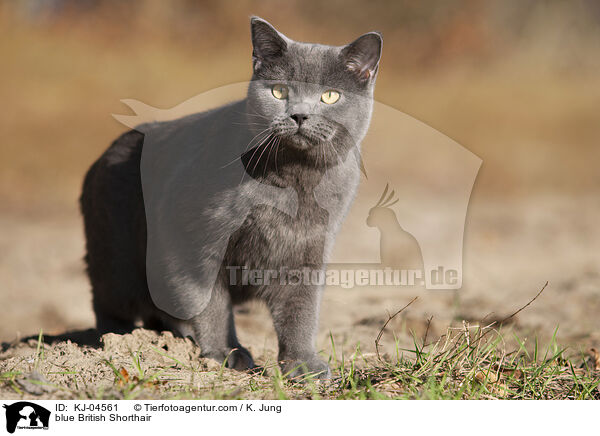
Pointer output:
x,y
512,247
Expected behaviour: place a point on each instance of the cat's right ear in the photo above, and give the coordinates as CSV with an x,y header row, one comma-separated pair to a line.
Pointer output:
x,y
267,43
362,56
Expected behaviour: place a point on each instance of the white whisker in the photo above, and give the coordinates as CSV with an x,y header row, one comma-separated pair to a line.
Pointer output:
x,y
261,154
254,153
269,155
255,137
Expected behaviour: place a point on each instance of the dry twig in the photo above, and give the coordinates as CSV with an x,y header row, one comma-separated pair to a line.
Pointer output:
x,y
390,317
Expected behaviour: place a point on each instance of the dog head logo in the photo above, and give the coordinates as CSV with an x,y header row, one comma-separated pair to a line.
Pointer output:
x,y
26,415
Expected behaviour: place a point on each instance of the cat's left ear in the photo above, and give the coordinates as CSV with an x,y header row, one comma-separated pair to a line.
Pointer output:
x,y
267,43
362,56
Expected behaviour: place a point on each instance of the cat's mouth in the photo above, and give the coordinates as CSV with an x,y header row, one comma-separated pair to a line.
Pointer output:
x,y
309,135
302,139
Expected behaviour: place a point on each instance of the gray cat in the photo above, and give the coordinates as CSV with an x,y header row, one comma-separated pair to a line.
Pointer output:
x,y
170,226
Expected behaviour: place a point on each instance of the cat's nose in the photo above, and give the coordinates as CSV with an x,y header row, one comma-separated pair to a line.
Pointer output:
x,y
299,118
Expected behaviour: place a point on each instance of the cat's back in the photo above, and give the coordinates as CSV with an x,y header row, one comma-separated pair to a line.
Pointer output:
x,y
115,221
114,174
117,170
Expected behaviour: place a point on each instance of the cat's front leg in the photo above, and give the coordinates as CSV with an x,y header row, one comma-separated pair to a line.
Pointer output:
x,y
295,312
213,330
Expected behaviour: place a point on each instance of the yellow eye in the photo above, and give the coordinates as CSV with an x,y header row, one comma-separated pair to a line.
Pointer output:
x,y
330,97
280,91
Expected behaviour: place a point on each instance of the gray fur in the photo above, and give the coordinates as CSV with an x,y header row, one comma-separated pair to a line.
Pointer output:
x,y
299,183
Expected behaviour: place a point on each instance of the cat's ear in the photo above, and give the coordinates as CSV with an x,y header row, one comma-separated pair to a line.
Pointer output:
x,y
267,43
362,56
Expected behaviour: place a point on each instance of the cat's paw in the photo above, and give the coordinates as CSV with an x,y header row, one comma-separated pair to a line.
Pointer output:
x,y
238,358
241,359
312,367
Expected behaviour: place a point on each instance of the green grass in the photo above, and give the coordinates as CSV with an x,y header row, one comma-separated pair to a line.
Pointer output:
x,y
472,364
468,362
465,363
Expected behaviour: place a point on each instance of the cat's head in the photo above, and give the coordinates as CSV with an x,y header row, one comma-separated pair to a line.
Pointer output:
x,y
309,94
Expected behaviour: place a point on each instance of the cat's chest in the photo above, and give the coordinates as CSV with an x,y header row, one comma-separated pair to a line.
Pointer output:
x,y
299,235
270,237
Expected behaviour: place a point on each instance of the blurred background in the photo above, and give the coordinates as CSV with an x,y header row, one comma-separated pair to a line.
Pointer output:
x,y
516,82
